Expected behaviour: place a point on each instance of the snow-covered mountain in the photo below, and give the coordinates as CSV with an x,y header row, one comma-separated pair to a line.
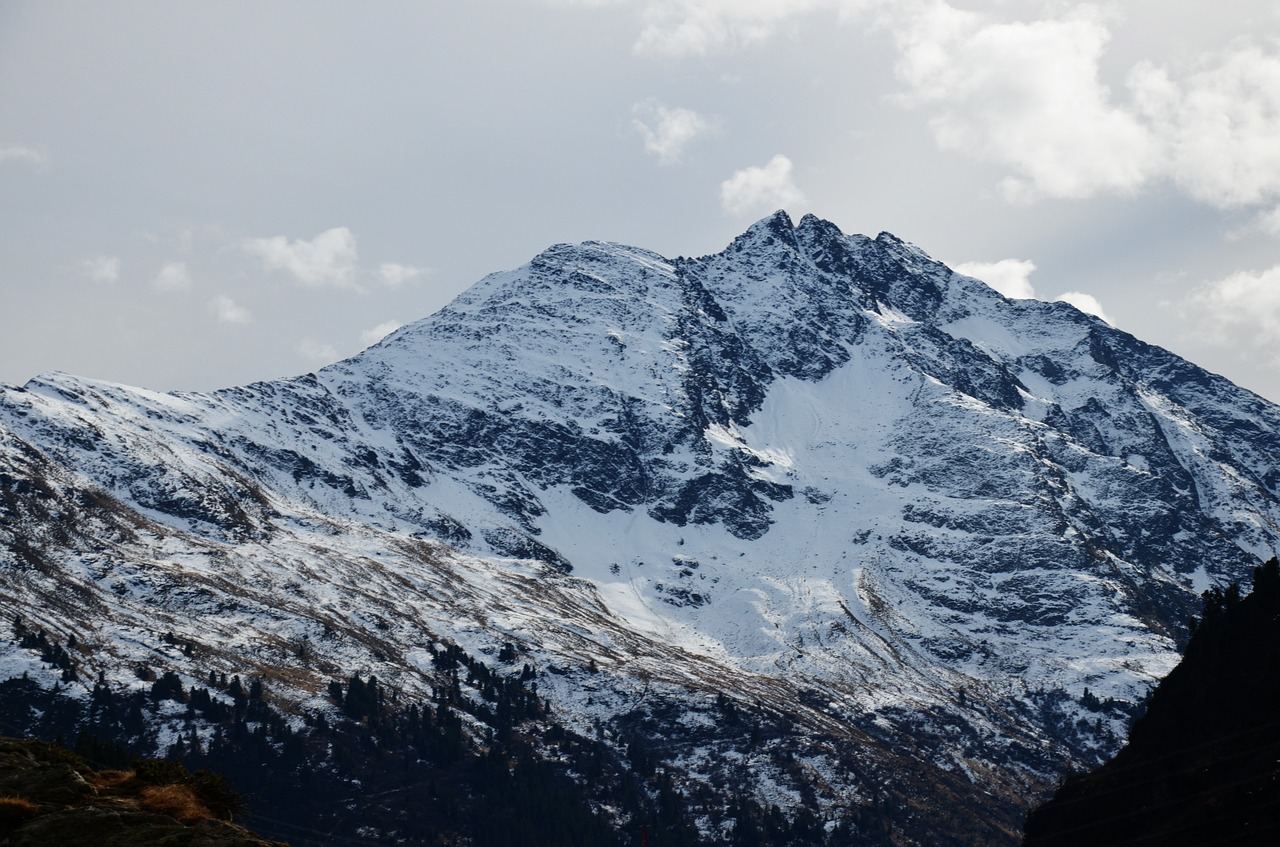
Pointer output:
x,y
821,476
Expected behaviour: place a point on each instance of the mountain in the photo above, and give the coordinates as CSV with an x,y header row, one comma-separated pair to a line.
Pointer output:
x,y
815,521
1200,766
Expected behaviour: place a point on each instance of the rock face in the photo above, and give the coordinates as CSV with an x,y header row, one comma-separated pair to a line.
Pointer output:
x,y
820,475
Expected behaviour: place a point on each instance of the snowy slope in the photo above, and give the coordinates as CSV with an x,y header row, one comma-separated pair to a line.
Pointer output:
x,y
819,473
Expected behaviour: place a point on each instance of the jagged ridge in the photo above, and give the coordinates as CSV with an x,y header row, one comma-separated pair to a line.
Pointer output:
x,y
818,472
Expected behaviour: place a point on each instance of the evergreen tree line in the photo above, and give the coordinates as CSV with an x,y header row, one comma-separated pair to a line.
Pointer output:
x,y
431,772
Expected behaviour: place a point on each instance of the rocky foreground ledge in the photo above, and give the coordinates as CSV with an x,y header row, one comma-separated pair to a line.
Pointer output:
x,y
48,795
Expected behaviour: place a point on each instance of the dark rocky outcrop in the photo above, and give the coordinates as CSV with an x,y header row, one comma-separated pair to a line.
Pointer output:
x,y
1202,766
49,796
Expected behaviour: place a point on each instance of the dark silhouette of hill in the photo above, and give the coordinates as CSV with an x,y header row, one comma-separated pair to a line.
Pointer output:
x,y
1202,766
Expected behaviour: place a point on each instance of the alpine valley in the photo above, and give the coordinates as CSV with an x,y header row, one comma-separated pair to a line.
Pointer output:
x,y
809,541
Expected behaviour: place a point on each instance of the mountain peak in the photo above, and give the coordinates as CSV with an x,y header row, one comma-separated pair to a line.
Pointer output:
x,y
776,228
815,470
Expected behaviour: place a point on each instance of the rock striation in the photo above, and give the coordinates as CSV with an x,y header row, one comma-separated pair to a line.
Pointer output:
x,y
820,475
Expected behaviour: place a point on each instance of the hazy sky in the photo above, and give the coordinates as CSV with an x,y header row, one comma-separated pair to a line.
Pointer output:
x,y
195,195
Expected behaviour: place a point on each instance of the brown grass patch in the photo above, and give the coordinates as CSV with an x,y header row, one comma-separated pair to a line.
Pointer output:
x,y
19,803
14,811
109,779
176,801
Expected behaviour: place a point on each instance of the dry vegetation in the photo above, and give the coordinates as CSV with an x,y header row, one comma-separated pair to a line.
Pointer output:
x,y
50,796
176,801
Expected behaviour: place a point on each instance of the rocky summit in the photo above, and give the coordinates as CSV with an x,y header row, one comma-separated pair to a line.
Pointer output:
x,y
815,520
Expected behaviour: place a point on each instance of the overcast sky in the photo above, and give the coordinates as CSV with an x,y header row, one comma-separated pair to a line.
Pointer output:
x,y
197,195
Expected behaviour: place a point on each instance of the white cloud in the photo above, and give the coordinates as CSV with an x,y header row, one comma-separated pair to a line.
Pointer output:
x,y
1026,96
1011,277
1086,303
101,268
379,332
1220,126
329,259
173,277
22,153
227,311
1269,221
1243,309
760,189
666,130
394,274
317,351
680,28
1266,222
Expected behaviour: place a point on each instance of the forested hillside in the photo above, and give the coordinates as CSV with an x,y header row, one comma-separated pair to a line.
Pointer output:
x,y
1202,766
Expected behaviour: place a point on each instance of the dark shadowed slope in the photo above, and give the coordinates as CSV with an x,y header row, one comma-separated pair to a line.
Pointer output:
x,y
1202,766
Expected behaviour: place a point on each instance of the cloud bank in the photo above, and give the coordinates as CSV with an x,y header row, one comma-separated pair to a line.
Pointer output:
x,y
1241,308
1219,127
1028,95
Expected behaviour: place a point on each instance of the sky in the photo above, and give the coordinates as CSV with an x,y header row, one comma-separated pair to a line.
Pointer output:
x,y
196,195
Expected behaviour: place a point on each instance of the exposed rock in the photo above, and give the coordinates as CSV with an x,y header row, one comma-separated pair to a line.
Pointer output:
x,y
1003,503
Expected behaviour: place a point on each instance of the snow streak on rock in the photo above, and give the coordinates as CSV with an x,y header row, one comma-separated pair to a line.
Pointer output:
x,y
820,474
